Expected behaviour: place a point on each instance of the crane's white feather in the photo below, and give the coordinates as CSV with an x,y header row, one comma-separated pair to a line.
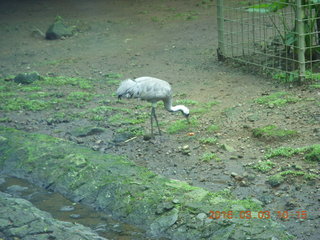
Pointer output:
x,y
152,90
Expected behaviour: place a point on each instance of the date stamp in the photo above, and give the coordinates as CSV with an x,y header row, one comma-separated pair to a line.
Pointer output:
x,y
258,215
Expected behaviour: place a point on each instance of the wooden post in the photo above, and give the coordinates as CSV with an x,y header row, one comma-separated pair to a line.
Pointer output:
x,y
220,19
301,40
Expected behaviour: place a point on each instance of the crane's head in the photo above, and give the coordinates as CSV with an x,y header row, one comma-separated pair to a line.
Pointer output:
x,y
185,111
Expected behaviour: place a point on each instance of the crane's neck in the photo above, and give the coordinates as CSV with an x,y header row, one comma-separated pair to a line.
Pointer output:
x,y
170,108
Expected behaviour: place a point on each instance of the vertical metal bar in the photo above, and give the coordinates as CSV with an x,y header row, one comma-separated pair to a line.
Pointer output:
x,y
220,19
301,40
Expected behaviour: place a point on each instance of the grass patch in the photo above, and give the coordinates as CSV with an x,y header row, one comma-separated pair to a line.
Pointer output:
x,y
311,153
118,119
82,83
276,99
80,96
208,140
264,166
207,157
187,102
113,78
135,130
19,103
272,131
213,128
283,152
181,125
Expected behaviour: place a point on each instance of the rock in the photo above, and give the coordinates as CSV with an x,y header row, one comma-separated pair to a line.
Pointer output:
x,y
253,117
275,180
58,30
162,223
27,78
201,216
164,207
75,216
86,131
32,223
227,148
16,189
121,137
67,209
185,150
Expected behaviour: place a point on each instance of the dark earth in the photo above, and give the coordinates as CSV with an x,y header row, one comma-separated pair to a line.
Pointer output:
x,y
175,41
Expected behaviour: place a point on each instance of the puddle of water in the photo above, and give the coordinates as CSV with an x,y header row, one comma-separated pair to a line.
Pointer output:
x,y
65,210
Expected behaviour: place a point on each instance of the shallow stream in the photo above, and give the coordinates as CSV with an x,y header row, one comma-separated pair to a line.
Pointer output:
x,y
65,210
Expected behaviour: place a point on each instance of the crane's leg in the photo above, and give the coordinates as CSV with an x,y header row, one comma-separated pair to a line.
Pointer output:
x,y
151,118
155,117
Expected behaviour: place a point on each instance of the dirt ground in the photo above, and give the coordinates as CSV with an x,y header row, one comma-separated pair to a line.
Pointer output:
x,y
175,41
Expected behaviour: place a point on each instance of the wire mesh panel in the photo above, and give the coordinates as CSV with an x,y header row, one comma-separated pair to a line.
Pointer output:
x,y
280,36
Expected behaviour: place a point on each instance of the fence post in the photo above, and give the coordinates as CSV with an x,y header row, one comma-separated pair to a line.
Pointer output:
x,y
301,40
220,19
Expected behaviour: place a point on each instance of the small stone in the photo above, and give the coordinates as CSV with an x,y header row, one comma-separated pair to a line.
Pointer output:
x,y
175,201
201,216
75,216
67,209
27,78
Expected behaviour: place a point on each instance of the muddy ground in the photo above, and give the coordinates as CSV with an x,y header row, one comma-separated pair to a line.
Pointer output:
x,y
175,41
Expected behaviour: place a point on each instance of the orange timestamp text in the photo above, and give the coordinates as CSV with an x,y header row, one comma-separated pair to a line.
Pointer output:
x,y
257,215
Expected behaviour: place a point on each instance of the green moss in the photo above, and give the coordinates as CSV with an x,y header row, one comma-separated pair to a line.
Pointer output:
x,y
264,166
272,131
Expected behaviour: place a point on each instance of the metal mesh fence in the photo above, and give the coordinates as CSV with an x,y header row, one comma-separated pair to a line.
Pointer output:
x,y
280,37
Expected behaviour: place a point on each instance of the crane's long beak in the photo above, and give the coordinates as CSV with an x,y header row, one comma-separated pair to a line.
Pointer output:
x,y
187,117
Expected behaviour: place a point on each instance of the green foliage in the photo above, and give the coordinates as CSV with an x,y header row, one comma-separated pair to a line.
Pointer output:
x,y
290,35
264,166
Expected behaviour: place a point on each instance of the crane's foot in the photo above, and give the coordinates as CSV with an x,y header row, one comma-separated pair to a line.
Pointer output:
x,y
148,137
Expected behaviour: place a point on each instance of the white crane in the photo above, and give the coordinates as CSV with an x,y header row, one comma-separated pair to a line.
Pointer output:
x,y
152,90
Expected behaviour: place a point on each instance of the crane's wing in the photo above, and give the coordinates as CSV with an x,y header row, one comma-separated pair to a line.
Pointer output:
x,y
145,88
